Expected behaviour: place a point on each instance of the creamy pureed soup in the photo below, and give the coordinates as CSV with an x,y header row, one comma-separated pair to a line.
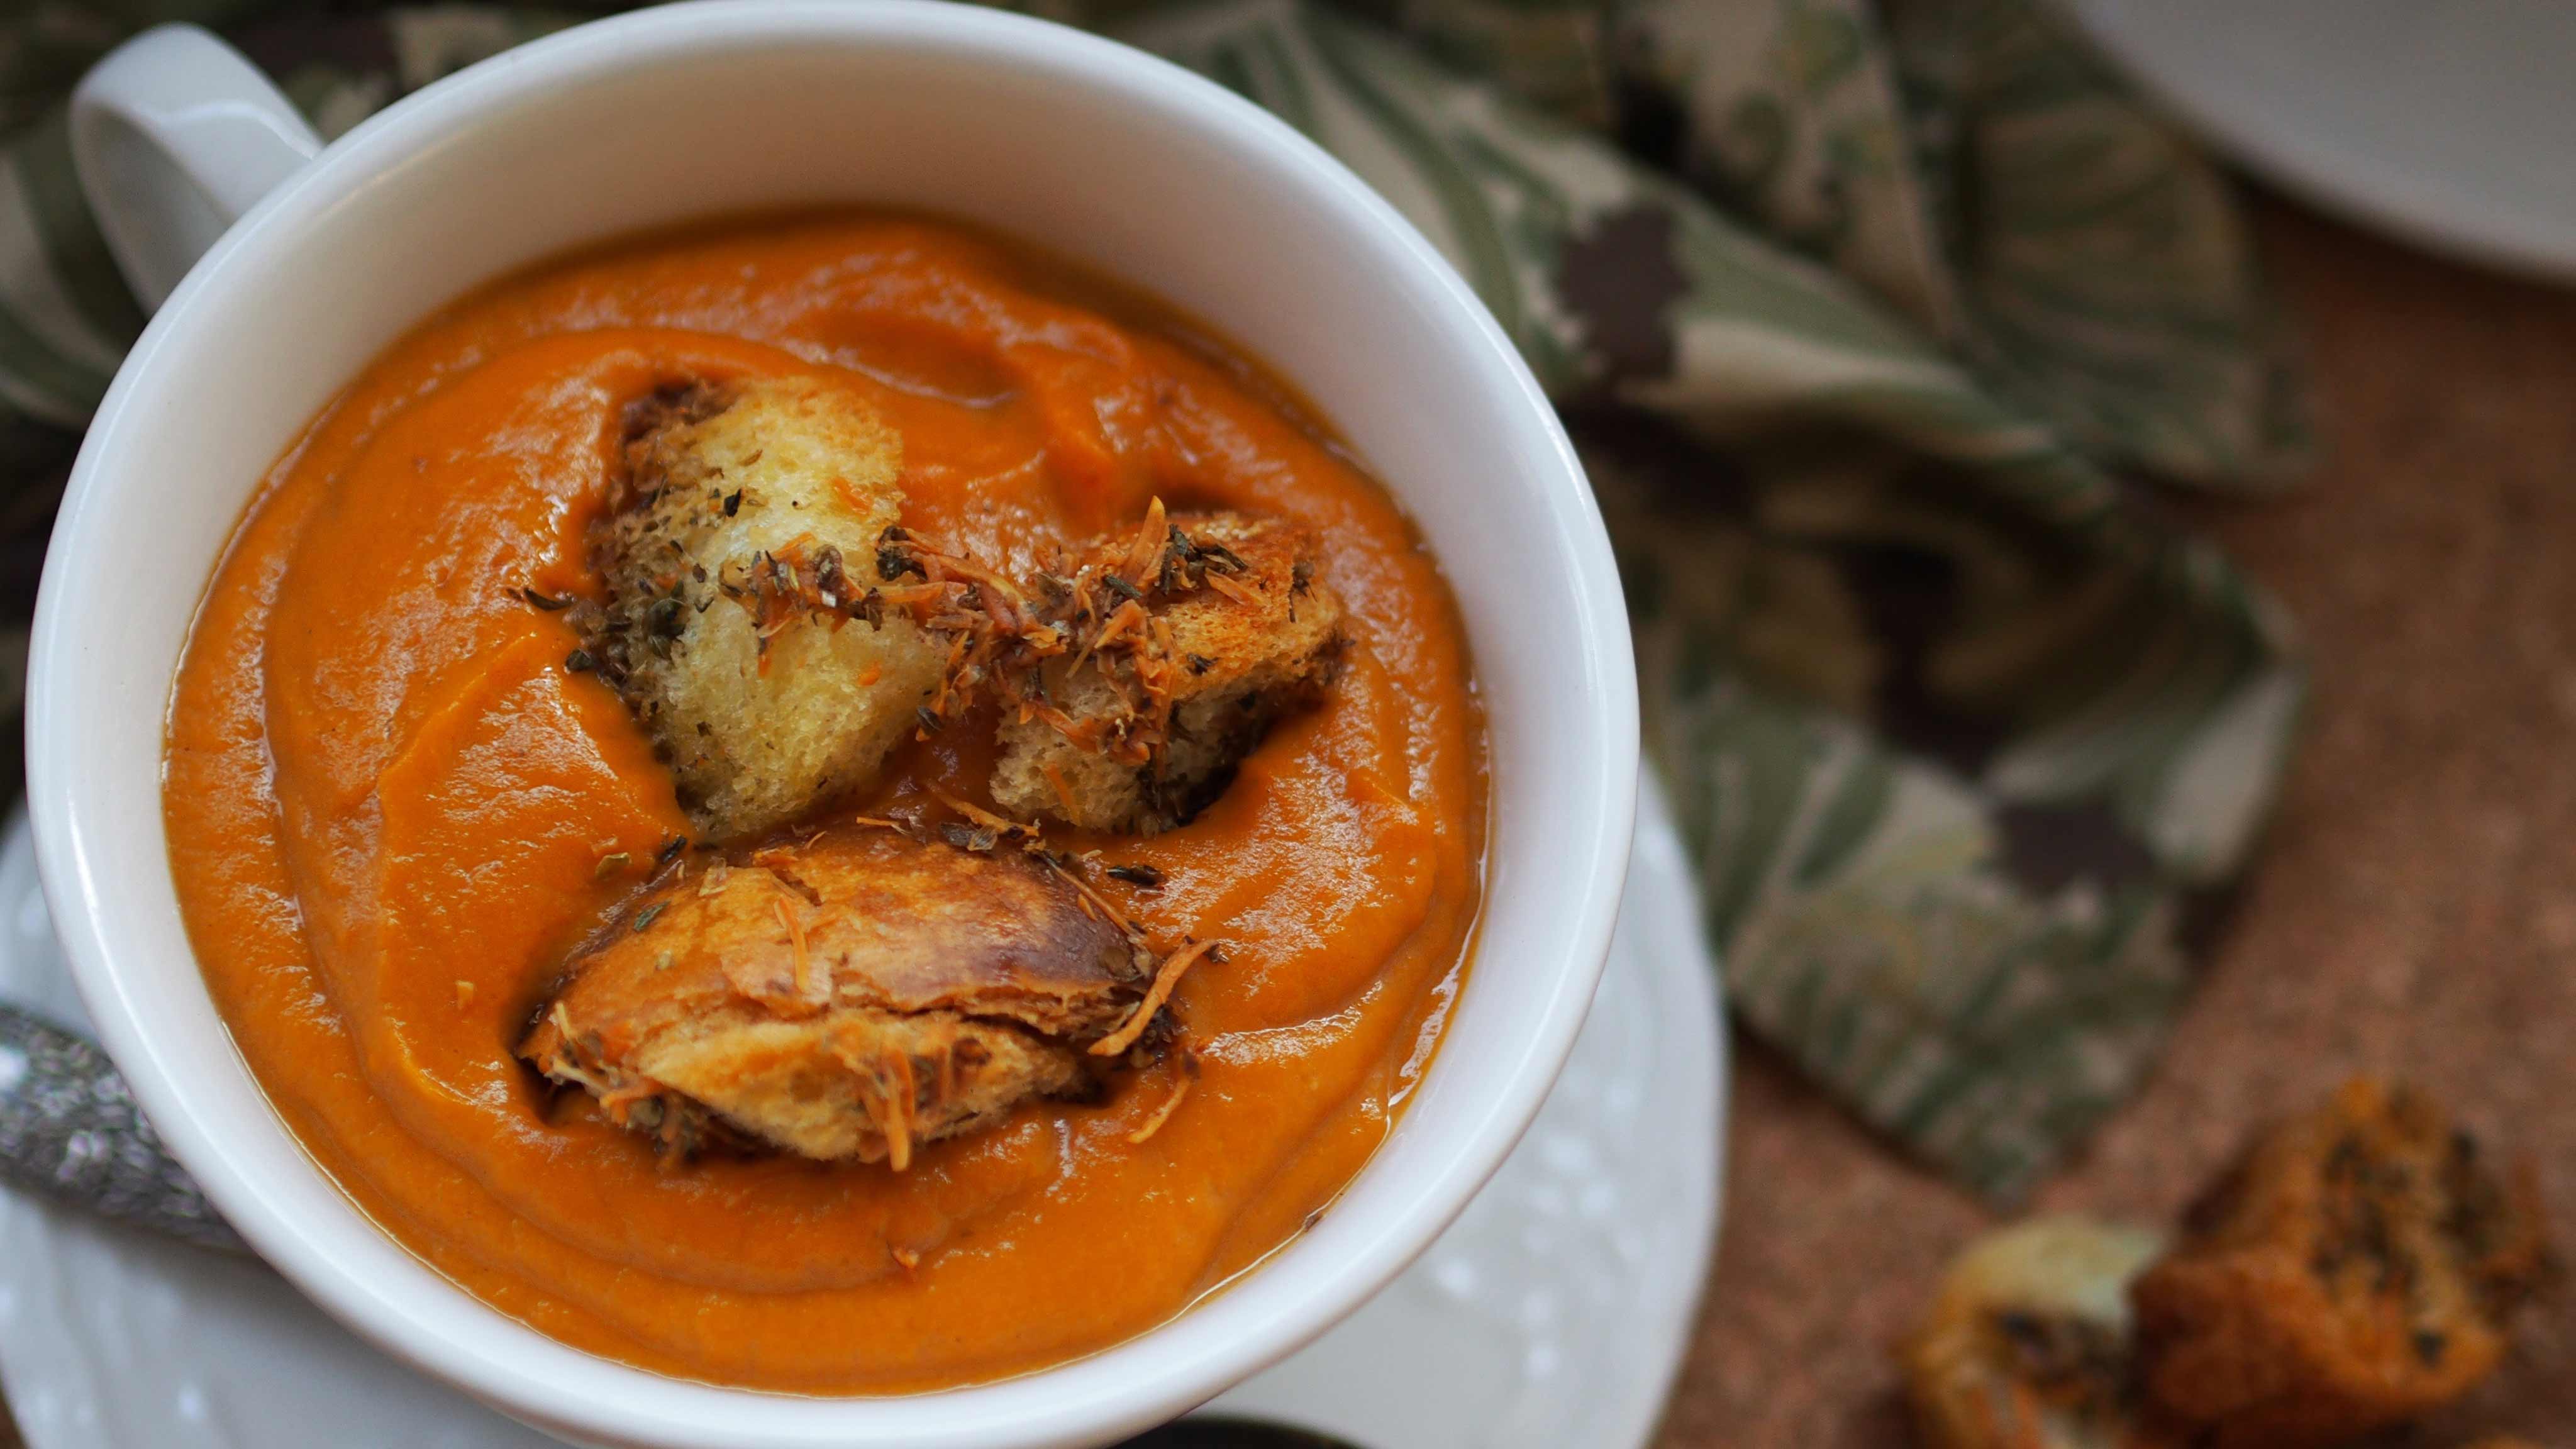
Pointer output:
x,y
403,793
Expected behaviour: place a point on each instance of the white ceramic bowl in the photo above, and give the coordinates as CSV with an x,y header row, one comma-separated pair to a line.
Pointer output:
x,y
1095,150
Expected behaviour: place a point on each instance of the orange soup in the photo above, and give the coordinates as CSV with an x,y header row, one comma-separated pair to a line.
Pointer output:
x,y
393,810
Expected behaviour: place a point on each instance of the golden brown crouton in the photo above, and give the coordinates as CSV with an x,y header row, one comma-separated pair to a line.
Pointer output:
x,y
847,998
727,624
1191,638
2028,1345
2354,1270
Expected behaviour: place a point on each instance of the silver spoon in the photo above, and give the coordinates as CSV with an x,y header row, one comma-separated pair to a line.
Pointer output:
x,y
69,1131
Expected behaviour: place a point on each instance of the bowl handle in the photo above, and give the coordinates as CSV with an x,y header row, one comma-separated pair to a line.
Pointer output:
x,y
175,135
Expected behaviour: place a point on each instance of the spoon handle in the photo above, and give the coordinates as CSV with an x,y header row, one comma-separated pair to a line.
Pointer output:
x,y
69,1130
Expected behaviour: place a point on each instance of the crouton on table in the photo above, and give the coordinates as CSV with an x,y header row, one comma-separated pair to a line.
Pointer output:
x,y
2355,1269
2028,1344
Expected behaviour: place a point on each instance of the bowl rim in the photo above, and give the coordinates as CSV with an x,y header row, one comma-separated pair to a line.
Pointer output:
x,y
1060,1404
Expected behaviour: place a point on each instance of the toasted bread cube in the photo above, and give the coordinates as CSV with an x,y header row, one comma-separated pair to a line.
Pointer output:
x,y
2354,1270
2028,1345
848,998
722,560
1259,638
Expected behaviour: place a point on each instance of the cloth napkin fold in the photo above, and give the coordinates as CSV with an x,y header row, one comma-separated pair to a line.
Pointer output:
x,y
1858,311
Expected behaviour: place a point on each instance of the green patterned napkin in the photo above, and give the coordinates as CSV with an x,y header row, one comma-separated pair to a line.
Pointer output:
x,y
1854,307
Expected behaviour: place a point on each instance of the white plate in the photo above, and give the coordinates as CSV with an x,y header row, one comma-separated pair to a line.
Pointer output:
x,y
1553,1313
2449,122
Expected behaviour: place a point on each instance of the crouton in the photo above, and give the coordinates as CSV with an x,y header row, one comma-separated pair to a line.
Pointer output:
x,y
1190,639
849,998
2354,1270
727,626
2027,1345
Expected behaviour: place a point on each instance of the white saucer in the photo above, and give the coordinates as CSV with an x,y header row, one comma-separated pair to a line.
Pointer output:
x,y
2451,123
1553,1313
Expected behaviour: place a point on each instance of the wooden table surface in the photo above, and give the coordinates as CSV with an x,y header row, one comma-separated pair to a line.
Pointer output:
x,y
2414,911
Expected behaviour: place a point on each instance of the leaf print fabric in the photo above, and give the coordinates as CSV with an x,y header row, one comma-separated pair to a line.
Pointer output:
x,y
1856,308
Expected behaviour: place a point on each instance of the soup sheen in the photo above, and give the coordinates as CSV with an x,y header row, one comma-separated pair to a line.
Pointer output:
x,y
389,804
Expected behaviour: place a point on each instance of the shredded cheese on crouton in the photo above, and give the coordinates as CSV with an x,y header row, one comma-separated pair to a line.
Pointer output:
x,y
1167,977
